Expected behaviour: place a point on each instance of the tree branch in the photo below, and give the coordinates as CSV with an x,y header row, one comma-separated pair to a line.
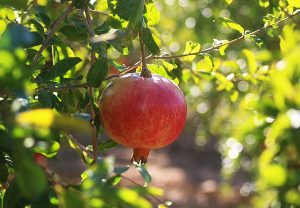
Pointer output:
x,y
229,42
89,23
136,183
62,88
51,32
93,127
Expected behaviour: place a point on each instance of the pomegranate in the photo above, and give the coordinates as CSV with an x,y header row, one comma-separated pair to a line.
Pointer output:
x,y
142,112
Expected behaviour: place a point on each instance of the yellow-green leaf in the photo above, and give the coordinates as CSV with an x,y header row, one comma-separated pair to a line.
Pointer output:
x,y
228,1
152,14
229,23
294,3
252,65
191,47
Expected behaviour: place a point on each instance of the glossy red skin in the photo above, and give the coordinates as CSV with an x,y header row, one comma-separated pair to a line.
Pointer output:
x,y
143,113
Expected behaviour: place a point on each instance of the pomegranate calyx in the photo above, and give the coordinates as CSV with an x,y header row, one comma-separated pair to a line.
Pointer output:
x,y
140,155
146,73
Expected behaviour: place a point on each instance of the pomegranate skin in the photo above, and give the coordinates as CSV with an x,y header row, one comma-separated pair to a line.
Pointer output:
x,y
142,113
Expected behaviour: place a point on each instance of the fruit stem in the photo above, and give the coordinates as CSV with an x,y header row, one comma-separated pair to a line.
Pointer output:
x,y
140,155
145,71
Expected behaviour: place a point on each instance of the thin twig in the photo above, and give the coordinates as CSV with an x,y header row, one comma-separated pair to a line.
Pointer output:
x,y
128,69
145,72
136,183
142,45
89,23
63,88
93,127
229,42
51,32
98,12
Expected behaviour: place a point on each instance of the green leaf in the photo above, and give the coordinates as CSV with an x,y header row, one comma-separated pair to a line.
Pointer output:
x,y
19,36
13,198
124,8
107,145
117,65
45,98
3,169
120,170
30,178
168,66
59,69
144,172
37,26
229,23
136,19
149,41
97,72
102,29
72,198
152,15
191,47
18,4
113,181
74,33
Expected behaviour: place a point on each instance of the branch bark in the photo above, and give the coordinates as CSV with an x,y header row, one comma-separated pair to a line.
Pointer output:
x,y
51,32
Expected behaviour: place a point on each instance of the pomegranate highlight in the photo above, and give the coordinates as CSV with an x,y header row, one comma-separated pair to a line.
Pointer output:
x,y
143,113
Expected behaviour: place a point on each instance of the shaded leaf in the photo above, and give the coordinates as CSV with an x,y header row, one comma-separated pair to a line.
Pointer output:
x,y
59,69
144,172
136,18
97,72
149,41
73,33
107,145
102,29
18,4
37,26
121,169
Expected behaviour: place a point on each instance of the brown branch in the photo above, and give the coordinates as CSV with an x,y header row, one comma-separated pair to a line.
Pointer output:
x,y
98,12
136,183
89,23
51,33
128,69
79,145
229,42
93,127
145,72
62,88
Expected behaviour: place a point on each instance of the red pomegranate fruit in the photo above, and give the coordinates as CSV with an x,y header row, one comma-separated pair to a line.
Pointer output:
x,y
143,113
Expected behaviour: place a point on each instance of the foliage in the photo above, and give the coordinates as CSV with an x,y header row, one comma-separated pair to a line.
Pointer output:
x,y
56,57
